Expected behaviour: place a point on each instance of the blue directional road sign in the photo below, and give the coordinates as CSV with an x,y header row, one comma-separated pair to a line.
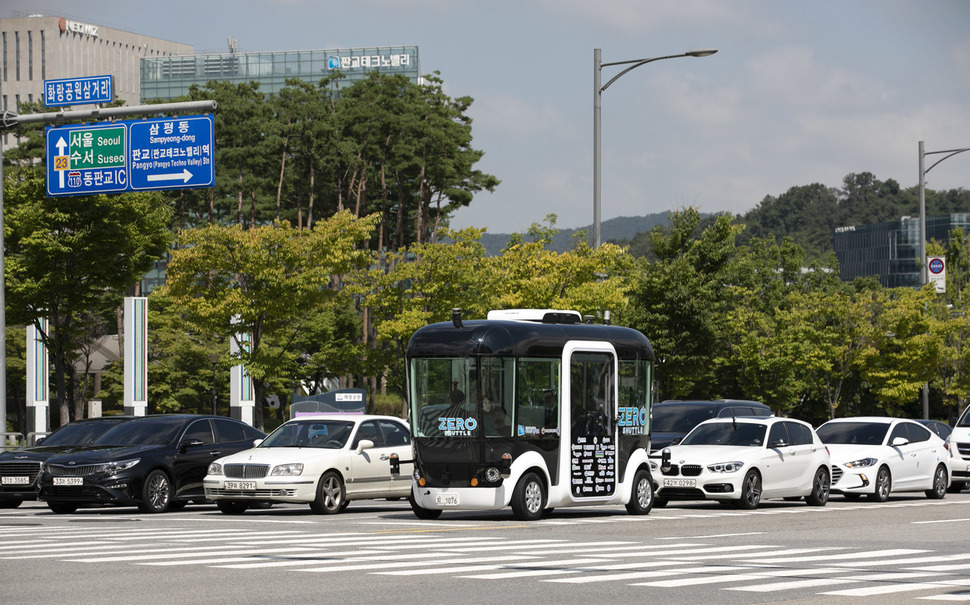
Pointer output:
x,y
78,91
83,160
131,155
169,153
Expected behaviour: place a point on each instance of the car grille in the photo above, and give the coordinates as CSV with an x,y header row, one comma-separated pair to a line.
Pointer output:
x,y
59,470
687,470
19,468
964,449
245,471
836,473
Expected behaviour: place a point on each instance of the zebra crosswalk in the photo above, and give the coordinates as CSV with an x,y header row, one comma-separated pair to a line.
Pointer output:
x,y
759,567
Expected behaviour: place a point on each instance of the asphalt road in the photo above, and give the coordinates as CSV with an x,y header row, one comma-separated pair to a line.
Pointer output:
x,y
909,550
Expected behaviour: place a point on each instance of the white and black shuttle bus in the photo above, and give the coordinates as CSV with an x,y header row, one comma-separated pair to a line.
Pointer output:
x,y
533,409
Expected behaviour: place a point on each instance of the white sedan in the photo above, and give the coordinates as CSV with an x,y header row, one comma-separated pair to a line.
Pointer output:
x,y
878,456
743,461
323,460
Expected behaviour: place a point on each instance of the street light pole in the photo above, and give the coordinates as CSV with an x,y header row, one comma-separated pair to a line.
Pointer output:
x,y
598,89
923,275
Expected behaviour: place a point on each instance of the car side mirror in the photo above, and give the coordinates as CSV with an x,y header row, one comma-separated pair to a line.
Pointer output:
x,y
256,442
364,444
676,441
776,443
40,440
899,441
190,443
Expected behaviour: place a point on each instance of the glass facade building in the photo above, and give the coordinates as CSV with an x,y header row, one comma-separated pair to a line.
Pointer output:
x,y
890,250
167,78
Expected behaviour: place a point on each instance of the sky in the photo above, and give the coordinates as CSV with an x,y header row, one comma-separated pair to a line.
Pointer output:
x,y
798,92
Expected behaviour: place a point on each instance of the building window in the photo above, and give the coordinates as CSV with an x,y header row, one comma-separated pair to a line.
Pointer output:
x,y
30,56
4,57
16,52
43,56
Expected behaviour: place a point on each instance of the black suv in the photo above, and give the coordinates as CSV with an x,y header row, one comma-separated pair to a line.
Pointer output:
x,y
672,419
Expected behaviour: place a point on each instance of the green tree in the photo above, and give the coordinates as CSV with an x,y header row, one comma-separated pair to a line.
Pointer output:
x,y
592,281
679,302
906,349
262,281
72,258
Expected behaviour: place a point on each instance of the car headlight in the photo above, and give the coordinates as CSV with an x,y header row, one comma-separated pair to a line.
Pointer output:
x,y
725,467
111,468
287,470
862,462
215,469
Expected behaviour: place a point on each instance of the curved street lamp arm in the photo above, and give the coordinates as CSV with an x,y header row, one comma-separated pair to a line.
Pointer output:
x,y
950,153
636,63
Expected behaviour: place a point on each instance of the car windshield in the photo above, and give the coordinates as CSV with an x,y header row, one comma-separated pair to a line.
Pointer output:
x,y
679,418
151,431
328,434
79,433
965,419
853,433
744,434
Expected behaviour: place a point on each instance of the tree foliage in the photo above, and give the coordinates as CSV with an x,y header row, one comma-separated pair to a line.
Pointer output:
x,y
263,281
71,260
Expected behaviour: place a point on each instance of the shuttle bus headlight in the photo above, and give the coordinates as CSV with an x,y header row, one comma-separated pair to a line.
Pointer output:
x,y
493,475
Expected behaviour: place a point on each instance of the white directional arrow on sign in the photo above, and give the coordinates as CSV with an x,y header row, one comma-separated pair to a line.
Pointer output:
x,y
61,144
183,176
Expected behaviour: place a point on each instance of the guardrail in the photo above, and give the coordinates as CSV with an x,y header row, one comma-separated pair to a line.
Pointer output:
x,y
32,437
5,441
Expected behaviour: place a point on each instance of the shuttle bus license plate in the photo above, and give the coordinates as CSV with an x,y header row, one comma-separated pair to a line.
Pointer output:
x,y
446,499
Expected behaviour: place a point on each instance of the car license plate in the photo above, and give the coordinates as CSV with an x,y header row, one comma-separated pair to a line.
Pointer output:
x,y
15,480
446,499
68,480
240,485
680,482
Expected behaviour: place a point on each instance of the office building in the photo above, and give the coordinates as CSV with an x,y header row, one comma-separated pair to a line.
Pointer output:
x,y
35,48
166,78
890,250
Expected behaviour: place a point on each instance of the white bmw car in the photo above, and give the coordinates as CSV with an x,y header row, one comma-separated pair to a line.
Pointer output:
x,y
879,456
744,461
323,460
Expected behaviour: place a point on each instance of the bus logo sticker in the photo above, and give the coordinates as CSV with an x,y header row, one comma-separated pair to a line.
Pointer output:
x,y
457,427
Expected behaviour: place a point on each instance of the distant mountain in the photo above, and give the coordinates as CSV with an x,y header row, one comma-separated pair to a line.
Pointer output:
x,y
622,228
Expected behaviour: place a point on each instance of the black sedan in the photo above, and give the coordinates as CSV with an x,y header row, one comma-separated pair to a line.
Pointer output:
x,y
20,468
156,463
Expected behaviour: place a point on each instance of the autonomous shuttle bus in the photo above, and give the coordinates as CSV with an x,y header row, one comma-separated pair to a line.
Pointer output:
x,y
533,409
